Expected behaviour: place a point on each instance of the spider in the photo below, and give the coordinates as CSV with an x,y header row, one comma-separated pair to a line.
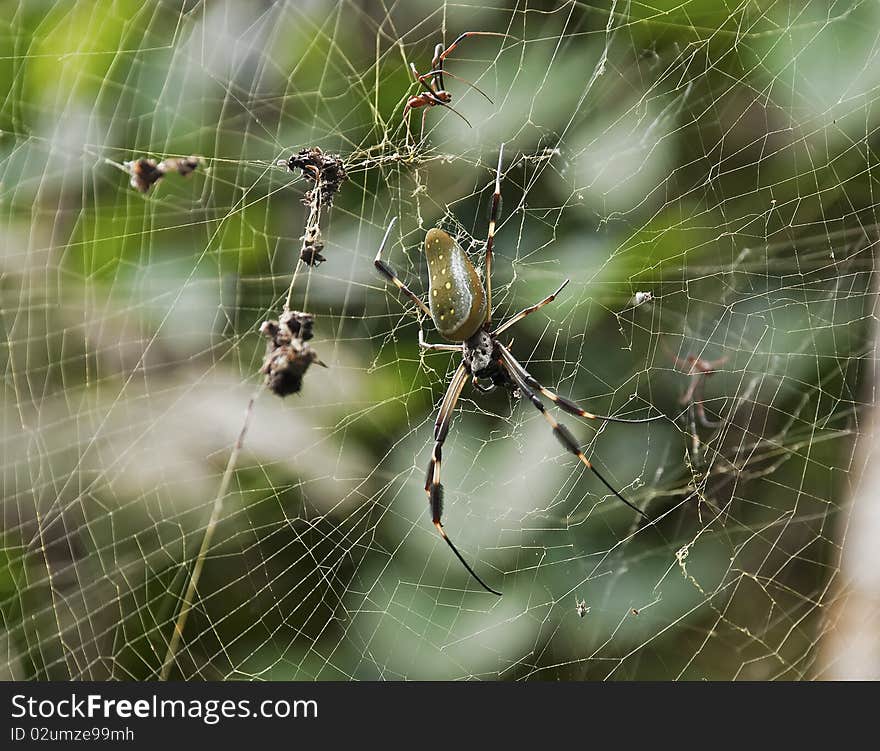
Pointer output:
x,y
461,309
435,93
183,166
699,370
312,247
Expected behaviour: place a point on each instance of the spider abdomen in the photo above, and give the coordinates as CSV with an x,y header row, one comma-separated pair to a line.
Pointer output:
x,y
456,294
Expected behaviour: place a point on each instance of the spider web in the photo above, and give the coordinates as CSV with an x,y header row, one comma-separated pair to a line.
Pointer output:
x,y
716,156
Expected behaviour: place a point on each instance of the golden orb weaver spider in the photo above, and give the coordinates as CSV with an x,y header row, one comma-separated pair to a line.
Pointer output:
x,y
461,309
435,93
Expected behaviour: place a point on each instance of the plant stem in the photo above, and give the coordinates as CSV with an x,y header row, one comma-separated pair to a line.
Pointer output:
x,y
171,655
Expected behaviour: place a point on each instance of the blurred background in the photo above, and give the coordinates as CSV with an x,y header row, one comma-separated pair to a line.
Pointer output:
x,y
702,172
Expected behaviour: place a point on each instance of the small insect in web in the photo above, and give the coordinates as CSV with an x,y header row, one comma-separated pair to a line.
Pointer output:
x,y
184,166
145,173
640,298
580,607
435,93
288,354
461,309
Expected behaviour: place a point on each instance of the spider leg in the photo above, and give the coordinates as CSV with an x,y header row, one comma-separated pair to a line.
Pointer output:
x,y
407,120
573,408
528,311
429,99
490,235
564,436
421,79
699,370
450,107
439,72
437,63
434,99
439,59
695,438
688,396
705,421
433,487
697,397
442,347
389,273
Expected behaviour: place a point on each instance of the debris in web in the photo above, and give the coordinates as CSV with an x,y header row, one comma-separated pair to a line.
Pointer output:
x,y
312,247
184,166
145,173
327,171
288,354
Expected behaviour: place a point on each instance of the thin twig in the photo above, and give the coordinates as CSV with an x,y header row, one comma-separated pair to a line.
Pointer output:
x,y
171,655
313,221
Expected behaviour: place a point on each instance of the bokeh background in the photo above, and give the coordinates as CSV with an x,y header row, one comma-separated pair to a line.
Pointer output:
x,y
719,157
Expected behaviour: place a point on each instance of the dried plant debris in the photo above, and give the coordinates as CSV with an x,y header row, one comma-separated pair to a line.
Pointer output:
x,y
145,173
312,247
325,170
288,354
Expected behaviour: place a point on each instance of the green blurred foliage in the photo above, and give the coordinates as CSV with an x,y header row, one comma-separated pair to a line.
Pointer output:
x,y
719,158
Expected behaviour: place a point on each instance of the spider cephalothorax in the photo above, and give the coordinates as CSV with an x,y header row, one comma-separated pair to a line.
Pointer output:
x,y
479,355
145,173
483,361
288,354
461,309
